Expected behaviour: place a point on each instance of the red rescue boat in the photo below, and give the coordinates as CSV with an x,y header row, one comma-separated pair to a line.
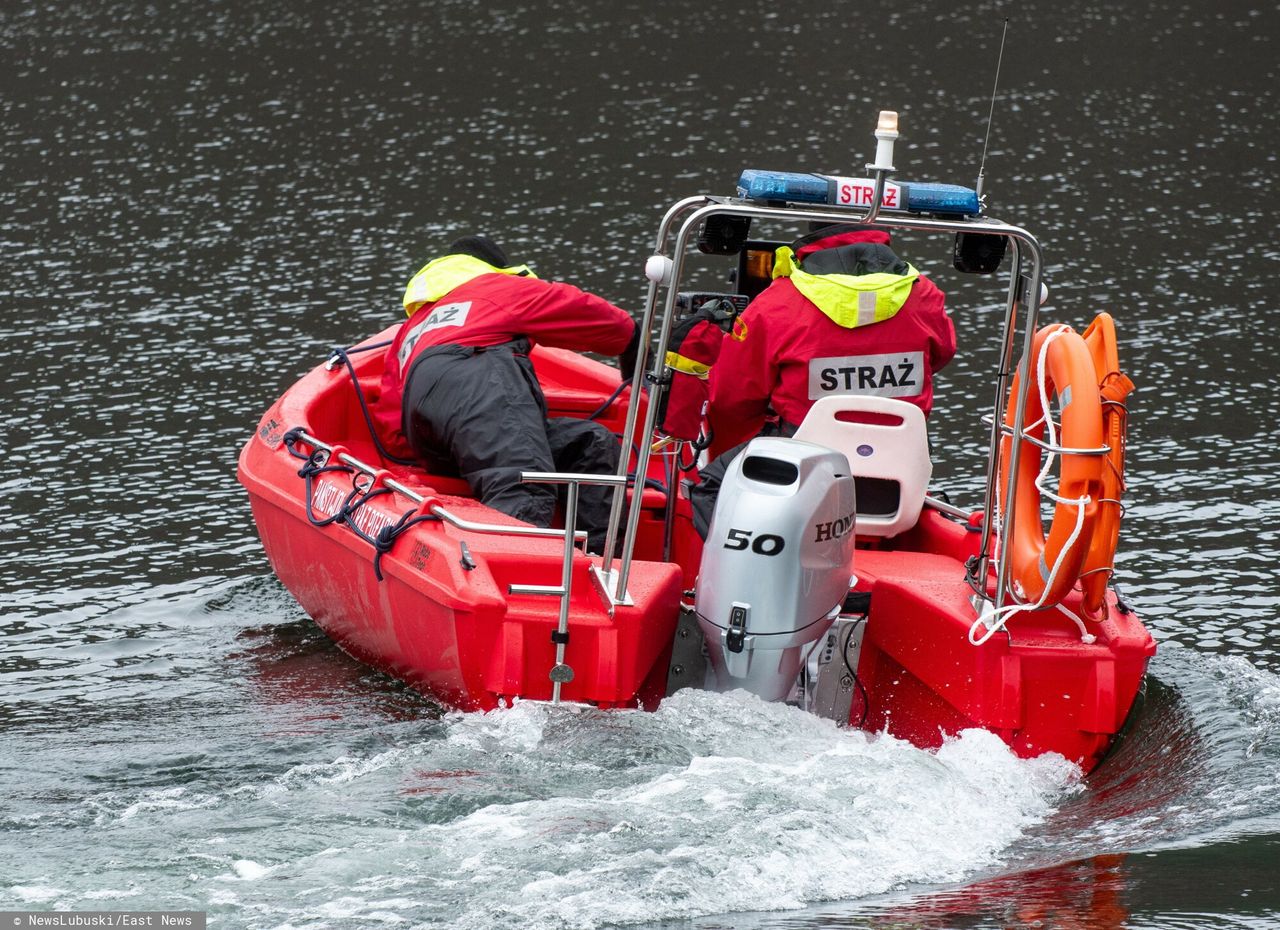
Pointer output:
x,y
829,578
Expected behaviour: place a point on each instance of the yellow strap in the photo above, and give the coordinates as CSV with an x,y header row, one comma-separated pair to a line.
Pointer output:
x,y
679,362
784,262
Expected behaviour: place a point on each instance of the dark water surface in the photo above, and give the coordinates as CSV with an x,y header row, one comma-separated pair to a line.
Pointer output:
x,y
199,199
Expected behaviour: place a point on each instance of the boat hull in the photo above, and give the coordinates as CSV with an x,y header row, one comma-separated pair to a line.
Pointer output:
x,y
1040,686
443,617
441,608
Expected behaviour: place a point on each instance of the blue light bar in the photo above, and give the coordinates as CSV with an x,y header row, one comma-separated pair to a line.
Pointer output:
x,y
792,187
784,185
942,198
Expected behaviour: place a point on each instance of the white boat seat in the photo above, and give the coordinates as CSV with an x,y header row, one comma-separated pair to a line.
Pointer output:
x,y
887,445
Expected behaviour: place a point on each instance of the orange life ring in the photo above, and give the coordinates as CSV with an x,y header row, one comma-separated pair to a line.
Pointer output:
x,y
1044,569
1114,387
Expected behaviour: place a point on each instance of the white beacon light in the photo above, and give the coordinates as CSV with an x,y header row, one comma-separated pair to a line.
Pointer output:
x,y
886,133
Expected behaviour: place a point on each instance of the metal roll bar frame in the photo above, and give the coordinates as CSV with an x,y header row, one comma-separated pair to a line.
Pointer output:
x,y
1024,289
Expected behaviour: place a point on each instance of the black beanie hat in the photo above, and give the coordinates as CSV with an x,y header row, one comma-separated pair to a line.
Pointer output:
x,y
481,247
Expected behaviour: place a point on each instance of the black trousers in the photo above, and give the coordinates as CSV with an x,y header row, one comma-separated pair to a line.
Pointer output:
x,y
480,413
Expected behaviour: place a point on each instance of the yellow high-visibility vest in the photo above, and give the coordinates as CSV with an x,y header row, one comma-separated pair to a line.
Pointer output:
x,y
441,275
848,300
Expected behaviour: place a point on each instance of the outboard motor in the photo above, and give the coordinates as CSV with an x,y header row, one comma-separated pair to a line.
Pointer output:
x,y
777,562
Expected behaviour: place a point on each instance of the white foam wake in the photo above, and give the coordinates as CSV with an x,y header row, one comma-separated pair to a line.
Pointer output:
x,y
767,808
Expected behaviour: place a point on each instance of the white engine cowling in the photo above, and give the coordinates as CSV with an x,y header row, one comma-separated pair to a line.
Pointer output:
x,y
777,562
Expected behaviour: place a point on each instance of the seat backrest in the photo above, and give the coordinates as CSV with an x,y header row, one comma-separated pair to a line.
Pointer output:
x,y
887,444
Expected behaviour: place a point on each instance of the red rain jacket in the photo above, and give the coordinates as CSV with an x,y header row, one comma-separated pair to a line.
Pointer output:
x,y
489,310
785,353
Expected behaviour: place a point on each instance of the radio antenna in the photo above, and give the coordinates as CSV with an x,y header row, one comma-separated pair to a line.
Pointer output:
x,y
992,112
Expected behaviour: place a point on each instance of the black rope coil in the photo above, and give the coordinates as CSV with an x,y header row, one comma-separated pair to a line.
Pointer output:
x,y
317,462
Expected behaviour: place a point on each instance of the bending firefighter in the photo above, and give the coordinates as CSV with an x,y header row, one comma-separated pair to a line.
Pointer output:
x,y
459,391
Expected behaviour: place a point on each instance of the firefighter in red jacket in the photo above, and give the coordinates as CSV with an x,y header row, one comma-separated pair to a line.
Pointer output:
x,y
844,315
459,391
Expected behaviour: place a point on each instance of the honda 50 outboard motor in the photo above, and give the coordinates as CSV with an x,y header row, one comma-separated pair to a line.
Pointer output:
x,y
777,562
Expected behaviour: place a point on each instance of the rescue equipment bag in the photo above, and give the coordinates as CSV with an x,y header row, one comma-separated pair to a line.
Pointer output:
x,y
692,349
